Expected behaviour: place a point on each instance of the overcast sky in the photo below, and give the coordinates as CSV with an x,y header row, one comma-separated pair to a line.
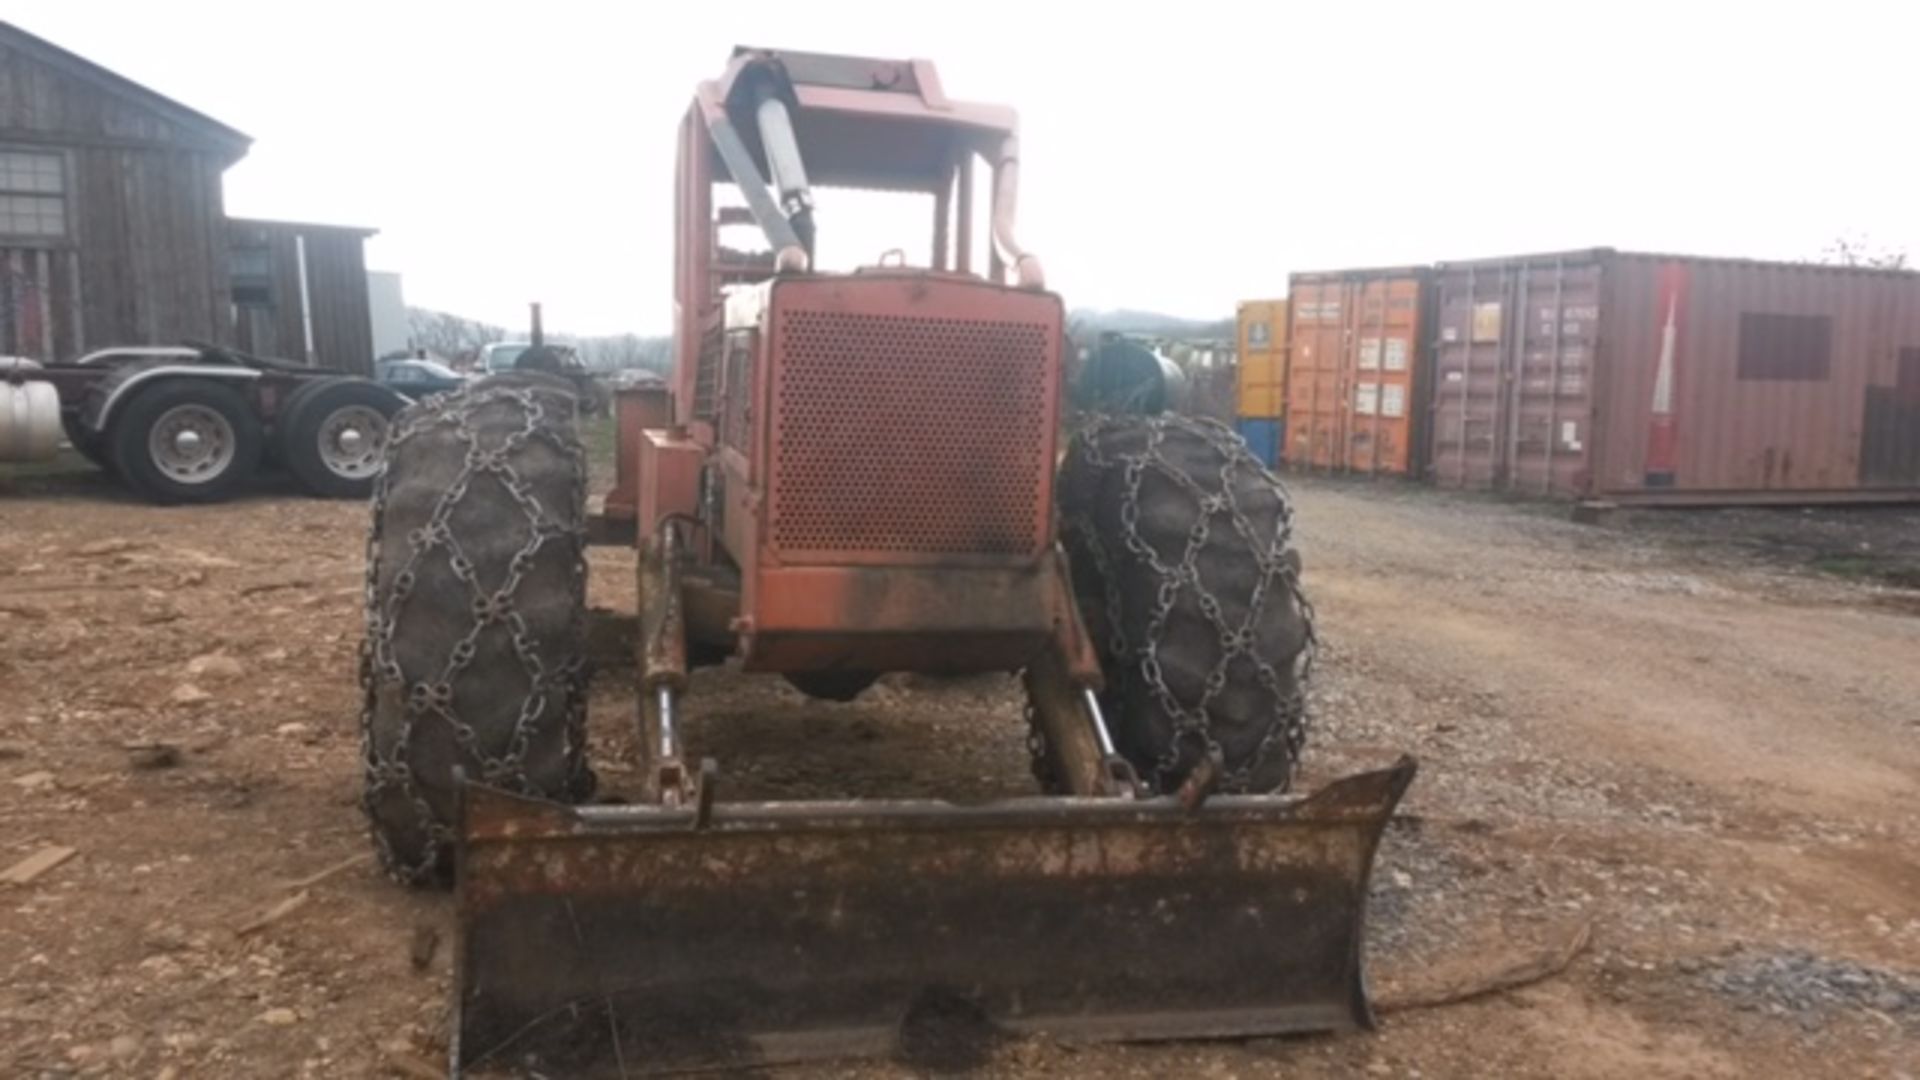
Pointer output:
x,y
1176,156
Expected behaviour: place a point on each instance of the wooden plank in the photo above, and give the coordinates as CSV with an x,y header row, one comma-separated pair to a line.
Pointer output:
x,y
36,864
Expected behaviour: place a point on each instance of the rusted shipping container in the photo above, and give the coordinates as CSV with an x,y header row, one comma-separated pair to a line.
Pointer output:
x,y
1654,378
1356,371
1262,385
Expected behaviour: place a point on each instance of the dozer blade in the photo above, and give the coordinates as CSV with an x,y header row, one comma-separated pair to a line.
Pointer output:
x,y
626,940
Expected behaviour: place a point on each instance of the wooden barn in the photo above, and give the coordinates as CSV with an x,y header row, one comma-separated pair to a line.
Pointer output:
x,y
113,228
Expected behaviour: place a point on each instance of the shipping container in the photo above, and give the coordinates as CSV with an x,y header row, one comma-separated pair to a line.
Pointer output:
x,y
1655,378
1356,372
1263,438
1262,385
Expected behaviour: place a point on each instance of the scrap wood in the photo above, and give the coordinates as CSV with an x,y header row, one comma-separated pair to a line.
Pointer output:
x,y
1526,972
38,863
274,914
336,869
259,587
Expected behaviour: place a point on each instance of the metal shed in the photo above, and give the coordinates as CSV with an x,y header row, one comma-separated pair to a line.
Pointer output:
x,y
1663,378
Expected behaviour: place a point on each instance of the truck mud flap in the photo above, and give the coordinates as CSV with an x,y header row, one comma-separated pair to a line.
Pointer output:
x,y
628,940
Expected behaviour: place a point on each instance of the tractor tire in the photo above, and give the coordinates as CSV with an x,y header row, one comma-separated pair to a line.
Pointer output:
x,y
1180,548
185,440
475,654
331,435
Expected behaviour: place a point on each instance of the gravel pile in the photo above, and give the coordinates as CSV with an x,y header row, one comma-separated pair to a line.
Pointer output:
x,y
1804,984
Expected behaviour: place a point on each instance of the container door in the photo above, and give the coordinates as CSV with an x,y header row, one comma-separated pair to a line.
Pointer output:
x,y
1385,334
1470,388
1549,397
1514,363
1316,387
1261,390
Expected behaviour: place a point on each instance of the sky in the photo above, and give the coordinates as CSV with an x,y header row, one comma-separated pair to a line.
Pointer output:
x,y
1175,157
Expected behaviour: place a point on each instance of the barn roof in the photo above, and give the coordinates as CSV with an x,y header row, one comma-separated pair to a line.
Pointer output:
x,y
197,125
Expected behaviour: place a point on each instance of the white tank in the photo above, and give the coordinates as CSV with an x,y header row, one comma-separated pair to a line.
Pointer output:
x,y
29,414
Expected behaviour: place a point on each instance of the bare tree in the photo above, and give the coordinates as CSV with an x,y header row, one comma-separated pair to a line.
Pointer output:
x,y
1858,251
450,335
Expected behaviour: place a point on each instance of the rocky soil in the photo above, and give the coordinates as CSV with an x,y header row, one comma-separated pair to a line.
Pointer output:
x,y
1689,739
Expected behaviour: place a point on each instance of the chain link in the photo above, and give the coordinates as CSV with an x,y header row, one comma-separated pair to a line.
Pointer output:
x,y
1135,447
498,758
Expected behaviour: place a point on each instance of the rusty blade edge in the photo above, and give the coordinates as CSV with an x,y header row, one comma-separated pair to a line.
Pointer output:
x,y
493,814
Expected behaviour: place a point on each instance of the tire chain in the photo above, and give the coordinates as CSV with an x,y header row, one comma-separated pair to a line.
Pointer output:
x,y
430,699
1286,725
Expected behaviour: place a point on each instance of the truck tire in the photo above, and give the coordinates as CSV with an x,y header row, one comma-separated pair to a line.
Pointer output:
x,y
87,442
331,435
185,440
475,647
1180,547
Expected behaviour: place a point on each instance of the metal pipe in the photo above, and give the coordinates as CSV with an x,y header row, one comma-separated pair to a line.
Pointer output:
x,y
669,739
1027,273
963,234
942,219
1099,722
306,296
1553,373
789,170
1514,366
791,255
1379,373
1466,372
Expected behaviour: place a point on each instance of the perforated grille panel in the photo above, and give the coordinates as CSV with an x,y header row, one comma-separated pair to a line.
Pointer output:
x,y
911,436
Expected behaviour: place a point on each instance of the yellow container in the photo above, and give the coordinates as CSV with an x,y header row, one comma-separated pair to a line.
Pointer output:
x,y
1262,387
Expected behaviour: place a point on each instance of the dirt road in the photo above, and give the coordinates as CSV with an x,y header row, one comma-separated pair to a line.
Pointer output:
x,y
1659,729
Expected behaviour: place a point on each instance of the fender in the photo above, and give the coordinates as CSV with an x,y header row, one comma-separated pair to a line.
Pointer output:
x,y
137,378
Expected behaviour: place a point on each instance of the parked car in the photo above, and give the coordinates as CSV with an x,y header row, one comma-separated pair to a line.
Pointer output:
x,y
500,356
416,379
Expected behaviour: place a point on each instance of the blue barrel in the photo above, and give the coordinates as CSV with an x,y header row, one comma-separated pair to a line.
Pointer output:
x,y
1263,438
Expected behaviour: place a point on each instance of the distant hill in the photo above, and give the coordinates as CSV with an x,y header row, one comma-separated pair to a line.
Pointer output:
x,y
1150,323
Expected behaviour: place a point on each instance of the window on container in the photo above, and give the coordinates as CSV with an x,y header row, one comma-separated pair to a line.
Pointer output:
x,y
1794,348
251,269
33,195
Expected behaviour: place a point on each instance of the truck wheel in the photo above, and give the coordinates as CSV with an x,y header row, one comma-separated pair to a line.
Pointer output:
x,y
1180,545
185,440
331,436
476,614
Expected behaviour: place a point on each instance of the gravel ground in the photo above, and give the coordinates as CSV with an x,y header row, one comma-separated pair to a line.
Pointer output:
x,y
1694,738
1815,989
